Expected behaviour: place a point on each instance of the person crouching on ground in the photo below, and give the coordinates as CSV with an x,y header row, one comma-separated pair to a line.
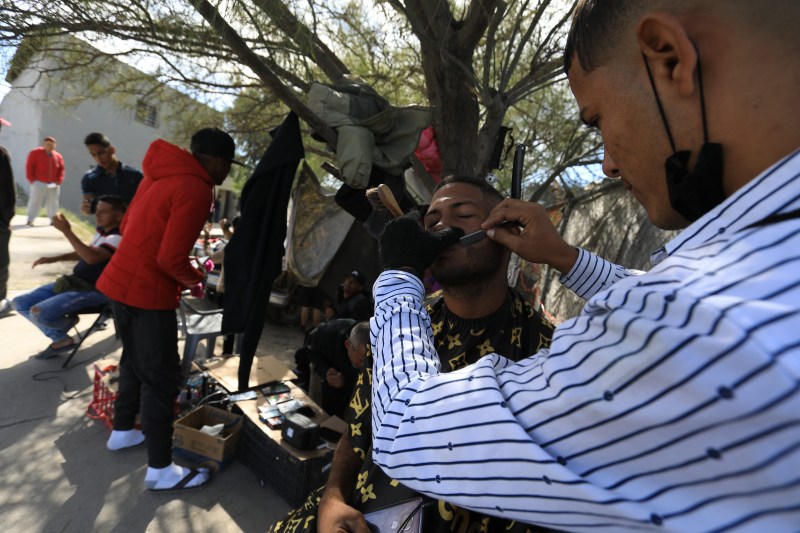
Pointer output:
x,y
51,307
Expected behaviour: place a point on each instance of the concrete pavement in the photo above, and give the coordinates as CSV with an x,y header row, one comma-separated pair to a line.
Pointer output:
x,y
57,475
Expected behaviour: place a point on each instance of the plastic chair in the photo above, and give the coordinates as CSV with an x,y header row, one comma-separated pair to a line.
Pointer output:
x,y
103,315
197,325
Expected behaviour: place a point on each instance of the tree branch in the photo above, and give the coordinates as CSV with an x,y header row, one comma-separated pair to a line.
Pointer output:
x,y
308,42
249,58
479,14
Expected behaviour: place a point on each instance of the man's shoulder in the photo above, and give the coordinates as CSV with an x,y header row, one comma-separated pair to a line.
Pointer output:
x,y
360,297
434,302
130,171
111,237
327,335
521,306
91,173
516,295
336,325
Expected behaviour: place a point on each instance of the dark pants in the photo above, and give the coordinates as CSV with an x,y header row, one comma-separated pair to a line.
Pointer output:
x,y
5,237
150,377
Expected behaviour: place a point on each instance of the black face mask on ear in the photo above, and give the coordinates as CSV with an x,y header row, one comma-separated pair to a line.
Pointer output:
x,y
692,193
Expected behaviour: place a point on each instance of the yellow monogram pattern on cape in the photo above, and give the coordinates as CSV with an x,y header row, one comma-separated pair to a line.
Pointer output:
x,y
516,331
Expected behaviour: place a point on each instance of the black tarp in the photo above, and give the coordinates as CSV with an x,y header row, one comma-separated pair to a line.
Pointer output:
x,y
253,255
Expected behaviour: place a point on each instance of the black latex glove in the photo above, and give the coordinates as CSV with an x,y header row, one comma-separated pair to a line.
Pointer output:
x,y
404,243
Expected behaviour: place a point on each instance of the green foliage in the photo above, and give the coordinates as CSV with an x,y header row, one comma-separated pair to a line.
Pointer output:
x,y
25,52
480,64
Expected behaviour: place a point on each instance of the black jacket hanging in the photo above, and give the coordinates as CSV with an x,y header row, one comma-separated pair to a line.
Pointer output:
x,y
253,255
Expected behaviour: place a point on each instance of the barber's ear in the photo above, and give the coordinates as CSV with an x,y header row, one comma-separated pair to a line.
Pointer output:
x,y
669,51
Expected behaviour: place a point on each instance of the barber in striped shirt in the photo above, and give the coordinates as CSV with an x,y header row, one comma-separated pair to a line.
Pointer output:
x,y
672,402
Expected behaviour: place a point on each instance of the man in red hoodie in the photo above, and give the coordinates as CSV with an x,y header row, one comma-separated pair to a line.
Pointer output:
x,y
144,280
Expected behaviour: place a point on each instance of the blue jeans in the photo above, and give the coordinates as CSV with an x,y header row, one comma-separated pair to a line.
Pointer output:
x,y
52,308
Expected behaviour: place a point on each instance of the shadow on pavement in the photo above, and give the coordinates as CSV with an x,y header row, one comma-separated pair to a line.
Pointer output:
x,y
57,474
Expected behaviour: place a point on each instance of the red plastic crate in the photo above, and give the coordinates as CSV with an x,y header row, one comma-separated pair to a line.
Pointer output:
x,y
105,392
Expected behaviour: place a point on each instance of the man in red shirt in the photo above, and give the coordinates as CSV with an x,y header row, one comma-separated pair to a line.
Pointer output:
x,y
144,280
45,172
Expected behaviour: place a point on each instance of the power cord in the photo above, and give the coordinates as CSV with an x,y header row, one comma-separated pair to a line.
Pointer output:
x,y
37,377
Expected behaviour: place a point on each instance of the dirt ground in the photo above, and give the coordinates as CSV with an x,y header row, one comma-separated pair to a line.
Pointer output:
x,y
56,473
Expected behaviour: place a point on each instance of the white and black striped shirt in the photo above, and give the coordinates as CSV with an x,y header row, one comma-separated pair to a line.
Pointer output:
x,y
671,403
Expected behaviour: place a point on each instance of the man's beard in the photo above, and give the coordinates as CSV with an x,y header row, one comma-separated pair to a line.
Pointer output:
x,y
482,262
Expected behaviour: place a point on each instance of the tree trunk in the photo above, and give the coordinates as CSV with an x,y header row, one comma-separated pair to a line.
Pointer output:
x,y
455,113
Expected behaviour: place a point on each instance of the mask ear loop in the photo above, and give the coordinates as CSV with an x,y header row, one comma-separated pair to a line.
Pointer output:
x,y
661,107
702,94
658,102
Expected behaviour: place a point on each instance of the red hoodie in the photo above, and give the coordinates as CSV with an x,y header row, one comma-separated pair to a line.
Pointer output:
x,y
171,205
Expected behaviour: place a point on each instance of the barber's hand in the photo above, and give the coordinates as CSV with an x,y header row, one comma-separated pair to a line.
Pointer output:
x,y
334,378
198,291
405,243
60,222
537,241
334,515
208,265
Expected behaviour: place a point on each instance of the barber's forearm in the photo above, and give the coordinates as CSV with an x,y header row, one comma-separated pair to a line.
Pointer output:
x,y
403,339
591,274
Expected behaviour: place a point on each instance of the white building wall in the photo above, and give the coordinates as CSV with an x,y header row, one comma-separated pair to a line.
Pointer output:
x,y
105,115
19,107
35,107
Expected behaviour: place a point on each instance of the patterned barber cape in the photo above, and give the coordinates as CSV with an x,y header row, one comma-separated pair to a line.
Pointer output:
x,y
514,329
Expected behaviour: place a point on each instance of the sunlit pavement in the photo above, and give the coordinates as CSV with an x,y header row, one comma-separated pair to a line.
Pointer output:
x,y
56,472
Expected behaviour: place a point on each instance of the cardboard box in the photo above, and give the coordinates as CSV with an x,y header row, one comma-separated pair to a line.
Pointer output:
x,y
265,369
187,434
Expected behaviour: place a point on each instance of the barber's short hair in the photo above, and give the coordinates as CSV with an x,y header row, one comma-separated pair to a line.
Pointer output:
x,y
489,192
97,138
359,334
115,201
597,26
